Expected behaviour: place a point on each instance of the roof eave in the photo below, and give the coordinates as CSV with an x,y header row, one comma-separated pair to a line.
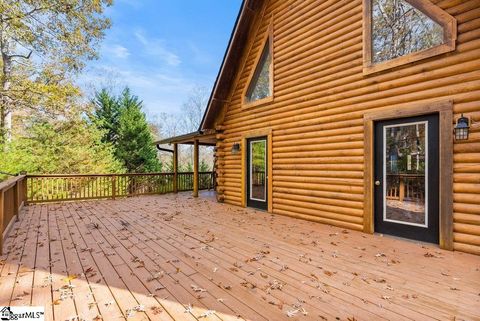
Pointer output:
x,y
227,71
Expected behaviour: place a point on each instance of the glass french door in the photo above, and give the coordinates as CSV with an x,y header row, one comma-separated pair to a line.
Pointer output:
x,y
406,178
257,172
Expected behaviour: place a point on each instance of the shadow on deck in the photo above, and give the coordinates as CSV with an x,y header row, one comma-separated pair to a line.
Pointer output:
x,y
174,257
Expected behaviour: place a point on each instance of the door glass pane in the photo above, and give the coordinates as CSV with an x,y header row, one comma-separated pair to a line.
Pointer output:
x,y
405,173
257,170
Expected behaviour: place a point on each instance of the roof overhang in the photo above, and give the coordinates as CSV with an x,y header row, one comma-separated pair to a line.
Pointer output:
x,y
230,63
226,76
203,138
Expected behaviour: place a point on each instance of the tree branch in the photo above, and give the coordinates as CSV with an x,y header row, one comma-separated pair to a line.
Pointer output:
x,y
21,56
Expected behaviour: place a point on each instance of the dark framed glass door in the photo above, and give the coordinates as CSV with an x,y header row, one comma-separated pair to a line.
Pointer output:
x,y
257,192
406,178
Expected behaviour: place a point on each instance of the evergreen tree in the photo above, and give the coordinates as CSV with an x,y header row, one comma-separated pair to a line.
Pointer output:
x,y
106,114
135,146
66,146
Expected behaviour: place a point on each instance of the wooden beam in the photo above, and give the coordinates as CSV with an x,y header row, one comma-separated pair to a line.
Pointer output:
x,y
175,168
195,168
164,149
446,177
368,220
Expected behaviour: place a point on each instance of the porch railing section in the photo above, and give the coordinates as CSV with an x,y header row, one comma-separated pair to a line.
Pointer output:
x,y
185,181
55,188
12,198
409,187
258,178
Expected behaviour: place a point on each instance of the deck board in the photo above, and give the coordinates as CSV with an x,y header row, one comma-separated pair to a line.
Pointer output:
x,y
173,257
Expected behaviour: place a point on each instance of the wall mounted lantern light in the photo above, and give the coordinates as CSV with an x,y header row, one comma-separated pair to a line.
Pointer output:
x,y
461,128
235,148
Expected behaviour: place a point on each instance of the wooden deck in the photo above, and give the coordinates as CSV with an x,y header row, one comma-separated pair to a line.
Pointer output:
x,y
173,257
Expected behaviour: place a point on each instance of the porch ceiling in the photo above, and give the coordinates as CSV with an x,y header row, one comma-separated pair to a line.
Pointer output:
x,y
204,138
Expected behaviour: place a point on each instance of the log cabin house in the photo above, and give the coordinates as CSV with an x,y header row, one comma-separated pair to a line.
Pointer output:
x,y
359,114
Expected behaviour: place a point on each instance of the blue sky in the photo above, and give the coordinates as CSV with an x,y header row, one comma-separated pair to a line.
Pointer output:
x,y
162,49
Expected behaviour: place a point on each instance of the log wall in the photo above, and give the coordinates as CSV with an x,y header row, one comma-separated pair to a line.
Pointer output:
x,y
320,97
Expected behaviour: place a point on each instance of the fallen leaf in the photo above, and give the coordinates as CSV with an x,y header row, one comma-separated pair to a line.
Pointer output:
x,y
197,289
69,278
156,310
292,313
206,314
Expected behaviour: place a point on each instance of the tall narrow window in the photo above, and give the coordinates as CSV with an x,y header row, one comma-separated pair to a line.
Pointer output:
x,y
260,87
260,82
402,31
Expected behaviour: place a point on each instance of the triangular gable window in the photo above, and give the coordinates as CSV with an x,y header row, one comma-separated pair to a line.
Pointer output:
x,y
400,29
260,86
403,31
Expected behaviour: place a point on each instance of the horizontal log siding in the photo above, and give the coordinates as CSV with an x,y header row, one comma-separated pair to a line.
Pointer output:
x,y
320,97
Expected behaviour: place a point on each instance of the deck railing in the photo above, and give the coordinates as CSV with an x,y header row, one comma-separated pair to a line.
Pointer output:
x,y
55,188
409,187
12,198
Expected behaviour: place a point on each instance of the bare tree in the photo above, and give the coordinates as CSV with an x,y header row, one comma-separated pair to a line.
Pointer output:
x,y
187,121
193,109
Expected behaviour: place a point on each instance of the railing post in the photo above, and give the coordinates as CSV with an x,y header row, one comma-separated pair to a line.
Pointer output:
x,y
175,168
195,168
114,186
401,191
2,214
212,181
25,190
16,202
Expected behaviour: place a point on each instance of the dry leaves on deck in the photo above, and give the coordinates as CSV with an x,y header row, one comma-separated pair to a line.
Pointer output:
x,y
196,288
132,311
156,310
206,314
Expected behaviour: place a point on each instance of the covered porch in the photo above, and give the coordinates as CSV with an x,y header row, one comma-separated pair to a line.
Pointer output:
x,y
195,139
177,257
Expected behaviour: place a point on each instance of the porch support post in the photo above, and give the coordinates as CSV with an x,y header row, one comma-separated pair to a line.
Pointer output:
x,y
195,168
175,168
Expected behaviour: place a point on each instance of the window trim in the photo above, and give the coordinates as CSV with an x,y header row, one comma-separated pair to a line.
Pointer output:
x,y
267,37
446,21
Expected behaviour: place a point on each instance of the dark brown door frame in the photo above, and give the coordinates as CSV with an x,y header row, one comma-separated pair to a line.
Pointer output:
x,y
445,112
250,134
262,205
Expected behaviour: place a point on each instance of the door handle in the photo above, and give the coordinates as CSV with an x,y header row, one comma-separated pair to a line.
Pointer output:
x,y
377,183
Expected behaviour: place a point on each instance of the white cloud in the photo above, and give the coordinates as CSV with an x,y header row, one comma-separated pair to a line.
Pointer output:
x,y
155,47
119,51
160,91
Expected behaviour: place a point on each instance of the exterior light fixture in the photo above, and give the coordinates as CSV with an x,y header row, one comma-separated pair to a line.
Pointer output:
x,y
235,148
461,128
